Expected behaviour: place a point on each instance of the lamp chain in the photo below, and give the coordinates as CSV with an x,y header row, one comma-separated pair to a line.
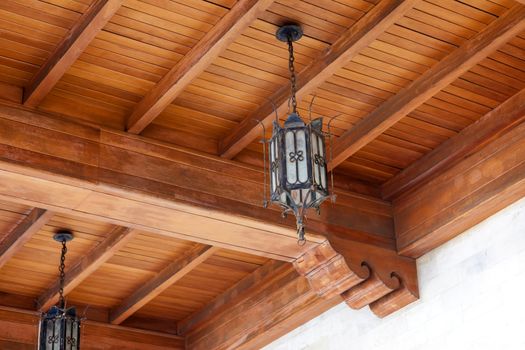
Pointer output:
x,y
61,269
293,78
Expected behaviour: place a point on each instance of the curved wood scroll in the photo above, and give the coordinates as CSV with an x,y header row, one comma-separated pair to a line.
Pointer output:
x,y
362,274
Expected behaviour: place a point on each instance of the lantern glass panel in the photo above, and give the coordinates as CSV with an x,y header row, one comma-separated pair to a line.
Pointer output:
x,y
322,166
300,155
273,166
291,165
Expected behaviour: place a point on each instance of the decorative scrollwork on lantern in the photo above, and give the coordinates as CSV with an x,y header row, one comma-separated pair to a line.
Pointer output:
x,y
297,154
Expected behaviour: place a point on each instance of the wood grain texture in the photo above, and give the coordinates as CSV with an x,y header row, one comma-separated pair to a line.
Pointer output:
x,y
164,279
242,14
75,275
493,125
69,49
22,233
278,297
359,36
361,274
100,173
462,196
19,328
229,297
431,82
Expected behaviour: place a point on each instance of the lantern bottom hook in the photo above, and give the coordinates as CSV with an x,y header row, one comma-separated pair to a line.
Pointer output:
x,y
300,236
63,236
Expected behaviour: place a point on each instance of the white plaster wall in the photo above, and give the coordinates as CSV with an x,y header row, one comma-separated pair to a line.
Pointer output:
x,y
472,297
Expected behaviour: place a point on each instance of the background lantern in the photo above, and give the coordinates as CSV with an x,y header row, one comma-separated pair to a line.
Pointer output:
x,y
60,326
298,174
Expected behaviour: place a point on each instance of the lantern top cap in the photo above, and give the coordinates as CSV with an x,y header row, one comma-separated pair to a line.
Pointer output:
x,y
293,32
63,236
293,120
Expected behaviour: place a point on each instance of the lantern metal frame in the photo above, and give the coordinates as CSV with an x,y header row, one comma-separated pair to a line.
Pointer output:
x,y
310,187
59,327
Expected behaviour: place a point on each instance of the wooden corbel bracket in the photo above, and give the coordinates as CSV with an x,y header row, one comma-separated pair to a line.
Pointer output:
x,y
362,274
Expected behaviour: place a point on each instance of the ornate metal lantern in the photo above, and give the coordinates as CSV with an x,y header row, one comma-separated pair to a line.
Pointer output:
x,y
297,154
60,326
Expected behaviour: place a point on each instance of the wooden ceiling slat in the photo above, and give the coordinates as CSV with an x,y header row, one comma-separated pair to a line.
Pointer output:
x,y
163,280
359,36
195,62
472,138
234,293
117,238
67,52
22,233
430,83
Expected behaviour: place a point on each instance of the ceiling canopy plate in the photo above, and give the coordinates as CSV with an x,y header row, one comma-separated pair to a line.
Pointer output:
x,y
293,31
63,236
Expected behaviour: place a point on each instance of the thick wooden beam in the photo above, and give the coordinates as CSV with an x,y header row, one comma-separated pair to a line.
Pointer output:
x,y
19,329
474,137
100,174
116,239
69,49
242,14
362,274
252,316
162,281
230,296
431,82
358,37
463,195
22,233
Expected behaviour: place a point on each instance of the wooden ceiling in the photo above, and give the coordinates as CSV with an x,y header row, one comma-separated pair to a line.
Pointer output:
x,y
217,64
134,124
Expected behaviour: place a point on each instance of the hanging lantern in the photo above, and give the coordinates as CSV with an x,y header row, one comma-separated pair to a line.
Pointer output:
x,y
297,154
60,326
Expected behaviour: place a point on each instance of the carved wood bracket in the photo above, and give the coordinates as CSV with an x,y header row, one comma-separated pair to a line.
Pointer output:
x,y
362,274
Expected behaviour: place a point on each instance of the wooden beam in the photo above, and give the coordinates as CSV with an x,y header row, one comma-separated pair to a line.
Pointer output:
x,y
431,82
69,49
22,233
278,297
463,195
230,297
358,37
162,281
100,174
474,137
116,239
19,329
241,15
362,274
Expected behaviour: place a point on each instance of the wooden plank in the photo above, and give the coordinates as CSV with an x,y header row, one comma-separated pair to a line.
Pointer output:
x,y
243,13
462,196
221,303
431,82
474,137
22,233
100,174
358,37
116,239
164,279
69,49
279,297
19,327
